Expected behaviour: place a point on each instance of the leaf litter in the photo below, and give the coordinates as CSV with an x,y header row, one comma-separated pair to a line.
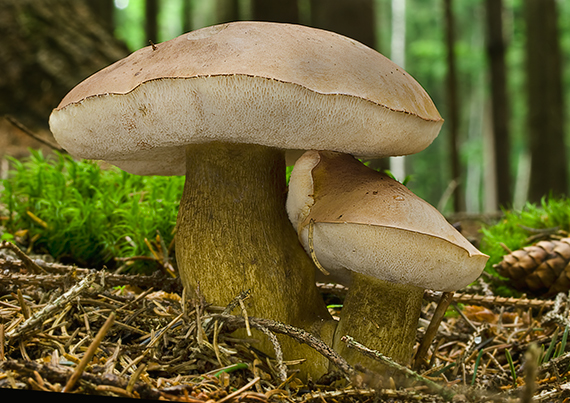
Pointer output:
x,y
83,331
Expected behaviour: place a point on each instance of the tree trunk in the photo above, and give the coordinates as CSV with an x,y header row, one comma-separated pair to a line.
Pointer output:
x,y
499,101
227,10
187,15
398,56
545,101
352,18
151,20
452,118
275,11
104,10
48,46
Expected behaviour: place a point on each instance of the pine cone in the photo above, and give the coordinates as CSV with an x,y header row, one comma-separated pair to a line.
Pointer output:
x,y
542,269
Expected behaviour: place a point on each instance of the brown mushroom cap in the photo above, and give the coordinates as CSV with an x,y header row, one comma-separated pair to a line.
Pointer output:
x,y
367,222
278,85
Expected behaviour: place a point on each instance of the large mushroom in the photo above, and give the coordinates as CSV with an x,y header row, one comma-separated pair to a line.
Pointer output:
x,y
221,105
370,232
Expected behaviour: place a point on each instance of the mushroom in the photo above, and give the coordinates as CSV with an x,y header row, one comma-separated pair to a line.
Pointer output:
x,y
373,234
222,105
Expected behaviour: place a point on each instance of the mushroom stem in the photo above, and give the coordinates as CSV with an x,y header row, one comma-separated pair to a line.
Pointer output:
x,y
381,315
233,234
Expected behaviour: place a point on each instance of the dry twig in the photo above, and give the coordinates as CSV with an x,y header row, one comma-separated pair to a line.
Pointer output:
x,y
443,391
89,354
32,324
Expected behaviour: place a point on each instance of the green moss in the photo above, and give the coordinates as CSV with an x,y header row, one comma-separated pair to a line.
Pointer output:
x,y
80,213
518,229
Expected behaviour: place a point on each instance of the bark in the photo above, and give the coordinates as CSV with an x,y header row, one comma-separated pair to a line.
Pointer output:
x,y
549,173
275,10
499,101
452,118
48,46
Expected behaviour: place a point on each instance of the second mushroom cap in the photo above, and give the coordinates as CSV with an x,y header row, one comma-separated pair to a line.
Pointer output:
x,y
367,222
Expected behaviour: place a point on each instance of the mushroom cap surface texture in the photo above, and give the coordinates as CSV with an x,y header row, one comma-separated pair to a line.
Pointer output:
x,y
367,222
278,85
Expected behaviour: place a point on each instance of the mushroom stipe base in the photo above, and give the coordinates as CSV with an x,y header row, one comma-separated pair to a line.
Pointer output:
x,y
382,315
233,235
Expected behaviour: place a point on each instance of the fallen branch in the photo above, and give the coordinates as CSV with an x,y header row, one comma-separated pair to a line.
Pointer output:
x,y
492,301
64,273
12,120
299,335
34,322
432,329
29,263
445,392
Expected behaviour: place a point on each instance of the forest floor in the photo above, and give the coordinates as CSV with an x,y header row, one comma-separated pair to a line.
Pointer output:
x,y
80,331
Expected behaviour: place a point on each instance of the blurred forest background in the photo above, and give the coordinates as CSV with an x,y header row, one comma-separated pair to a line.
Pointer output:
x,y
496,69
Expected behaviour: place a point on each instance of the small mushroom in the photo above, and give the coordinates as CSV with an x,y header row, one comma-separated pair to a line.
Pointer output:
x,y
222,105
388,245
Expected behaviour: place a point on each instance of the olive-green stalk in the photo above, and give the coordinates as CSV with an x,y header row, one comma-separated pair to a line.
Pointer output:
x,y
233,235
381,314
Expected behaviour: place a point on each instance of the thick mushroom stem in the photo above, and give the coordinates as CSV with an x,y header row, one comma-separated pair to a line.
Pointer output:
x,y
381,315
233,235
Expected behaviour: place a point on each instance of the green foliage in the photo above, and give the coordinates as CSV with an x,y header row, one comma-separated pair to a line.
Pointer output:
x,y
475,368
511,367
551,348
404,182
517,228
562,348
81,213
130,24
288,171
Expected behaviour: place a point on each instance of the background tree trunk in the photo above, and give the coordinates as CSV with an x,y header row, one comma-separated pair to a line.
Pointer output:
x,y
499,101
452,118
187,15
227,10
352,18
275,10
545,101
398,56
151,20
104,10
48,46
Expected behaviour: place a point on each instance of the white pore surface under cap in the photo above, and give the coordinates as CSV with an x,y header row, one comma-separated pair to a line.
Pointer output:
x,y
279,85
394,255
